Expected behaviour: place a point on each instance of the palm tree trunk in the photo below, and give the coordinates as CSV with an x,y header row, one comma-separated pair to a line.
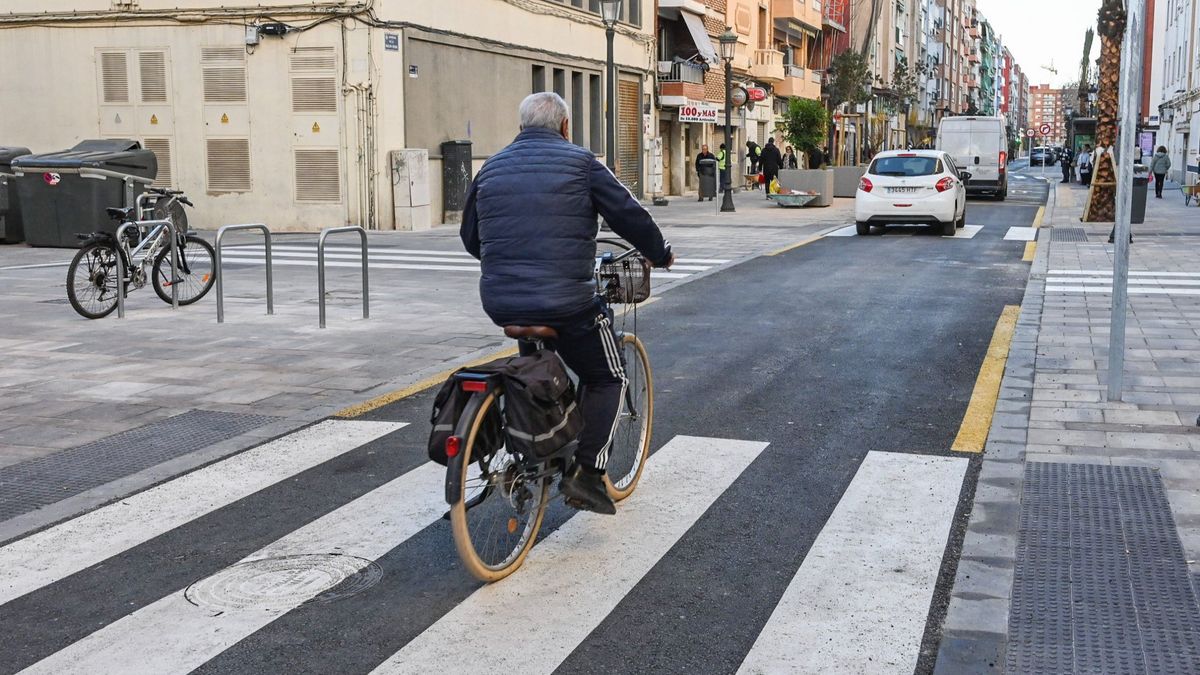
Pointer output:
x,y
1102,205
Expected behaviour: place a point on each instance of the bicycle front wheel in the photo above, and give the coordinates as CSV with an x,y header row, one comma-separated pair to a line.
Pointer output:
x,y
92,281
196,272
631,440
499,510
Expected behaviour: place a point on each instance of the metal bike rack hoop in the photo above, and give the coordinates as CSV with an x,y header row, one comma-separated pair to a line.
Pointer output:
x,y
218,271
321,269
121,262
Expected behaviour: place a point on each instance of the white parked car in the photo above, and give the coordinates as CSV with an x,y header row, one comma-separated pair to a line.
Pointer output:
x,y
912,187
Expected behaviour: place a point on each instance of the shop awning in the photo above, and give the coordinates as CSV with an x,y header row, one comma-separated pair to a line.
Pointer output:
x,y
695,26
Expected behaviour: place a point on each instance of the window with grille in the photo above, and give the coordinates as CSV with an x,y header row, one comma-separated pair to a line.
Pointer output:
x,y
314,80
228,165
318,175
114,77
161,147
152,69
224,73
629,130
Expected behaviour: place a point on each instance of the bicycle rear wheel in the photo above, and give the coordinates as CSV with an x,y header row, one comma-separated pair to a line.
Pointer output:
x,y
497,514
196,271
631,440
92,281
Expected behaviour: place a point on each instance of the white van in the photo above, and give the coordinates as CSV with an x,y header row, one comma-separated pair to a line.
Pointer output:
x,y
978,145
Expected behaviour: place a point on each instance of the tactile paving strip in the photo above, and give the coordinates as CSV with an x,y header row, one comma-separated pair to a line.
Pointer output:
x,y
30,485
1101,583
1068,234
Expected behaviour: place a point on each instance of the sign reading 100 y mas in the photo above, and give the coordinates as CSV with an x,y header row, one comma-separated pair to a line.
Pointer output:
x,y
698,113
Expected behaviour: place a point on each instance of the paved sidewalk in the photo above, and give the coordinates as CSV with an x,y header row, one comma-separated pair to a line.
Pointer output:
x,y
92,410
1085,532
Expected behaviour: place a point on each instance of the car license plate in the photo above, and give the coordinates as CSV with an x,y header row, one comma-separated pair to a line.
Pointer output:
x,y
901,190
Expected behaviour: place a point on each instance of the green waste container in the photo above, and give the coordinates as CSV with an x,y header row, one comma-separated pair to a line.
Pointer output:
x,y
64,194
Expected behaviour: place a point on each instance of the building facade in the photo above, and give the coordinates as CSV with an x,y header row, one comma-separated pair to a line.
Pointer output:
x,y
303,115
1047,106
1179,102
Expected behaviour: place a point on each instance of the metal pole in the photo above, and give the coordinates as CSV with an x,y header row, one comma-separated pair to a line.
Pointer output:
x,y
121,270
610,131
366,285
1131,81
727,197
174,264
321,269
220,286
321,277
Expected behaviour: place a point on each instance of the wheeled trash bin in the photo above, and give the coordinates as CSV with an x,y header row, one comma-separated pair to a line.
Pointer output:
x,y
708,178
11,231
62,194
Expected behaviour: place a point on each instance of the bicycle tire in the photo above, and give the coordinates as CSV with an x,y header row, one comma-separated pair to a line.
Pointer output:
x,y
639,445
459,514
106,281
203,270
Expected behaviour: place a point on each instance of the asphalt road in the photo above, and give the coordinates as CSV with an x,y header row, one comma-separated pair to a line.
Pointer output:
x,y
833,350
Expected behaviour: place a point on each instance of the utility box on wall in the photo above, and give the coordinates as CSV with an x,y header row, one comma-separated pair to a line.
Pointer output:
x,y
410,189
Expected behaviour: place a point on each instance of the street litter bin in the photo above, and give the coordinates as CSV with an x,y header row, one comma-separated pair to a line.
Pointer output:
x,y
62,194
11,230
708,179
1137,208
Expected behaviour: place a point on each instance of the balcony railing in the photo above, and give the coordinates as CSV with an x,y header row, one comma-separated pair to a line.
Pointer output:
x,y
767,65
682,72
815,75
793,71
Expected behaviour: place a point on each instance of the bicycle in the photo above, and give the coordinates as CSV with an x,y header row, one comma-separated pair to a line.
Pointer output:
x,y
92,275
498,500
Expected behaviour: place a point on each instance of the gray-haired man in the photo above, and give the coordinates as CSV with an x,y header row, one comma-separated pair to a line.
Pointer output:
x,y
531,218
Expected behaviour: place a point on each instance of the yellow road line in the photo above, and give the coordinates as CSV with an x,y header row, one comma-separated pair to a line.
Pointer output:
x,y
1037,220
972,435
1030,249
796,245
417,387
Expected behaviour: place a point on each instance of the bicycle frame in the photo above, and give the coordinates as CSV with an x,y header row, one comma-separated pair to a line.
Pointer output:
x,y
158,227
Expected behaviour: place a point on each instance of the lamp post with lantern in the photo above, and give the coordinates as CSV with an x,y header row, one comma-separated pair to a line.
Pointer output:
x,y
610,13
728,42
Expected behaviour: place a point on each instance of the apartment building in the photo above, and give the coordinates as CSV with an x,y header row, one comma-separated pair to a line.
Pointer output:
x,y
1047,105
1178,106
302,115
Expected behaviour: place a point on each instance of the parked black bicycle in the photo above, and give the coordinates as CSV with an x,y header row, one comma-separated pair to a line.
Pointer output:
x,y
497,495
92,276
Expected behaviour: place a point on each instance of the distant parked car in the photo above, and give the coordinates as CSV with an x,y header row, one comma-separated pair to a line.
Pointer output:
x,y
1041,156
912,187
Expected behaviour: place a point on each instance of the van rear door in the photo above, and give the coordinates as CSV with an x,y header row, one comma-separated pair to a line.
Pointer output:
x,y
975,146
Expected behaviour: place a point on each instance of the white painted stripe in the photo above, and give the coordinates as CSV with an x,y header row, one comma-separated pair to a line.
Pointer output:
x,y
256,253
859,600
46,557
1021,234
356,264
173,635
1133,273
850,231
1133,290
966,232
33,267
575,578
1144,281
346,249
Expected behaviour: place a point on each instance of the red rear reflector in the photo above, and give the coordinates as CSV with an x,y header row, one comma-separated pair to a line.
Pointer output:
x,y
453,444
474,385
902,205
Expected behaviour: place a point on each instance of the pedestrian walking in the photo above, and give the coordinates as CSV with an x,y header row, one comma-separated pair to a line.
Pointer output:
x,y
771,160
789,158
1160,164
1084,162
704,154
1067,158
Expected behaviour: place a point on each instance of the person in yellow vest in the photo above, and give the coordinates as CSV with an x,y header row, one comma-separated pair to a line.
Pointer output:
x,y
723,166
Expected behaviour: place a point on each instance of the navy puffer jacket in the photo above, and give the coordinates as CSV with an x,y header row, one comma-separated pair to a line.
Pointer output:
x,y
531,218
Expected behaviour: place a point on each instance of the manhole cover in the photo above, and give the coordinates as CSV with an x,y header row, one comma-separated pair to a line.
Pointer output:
x,y
285,582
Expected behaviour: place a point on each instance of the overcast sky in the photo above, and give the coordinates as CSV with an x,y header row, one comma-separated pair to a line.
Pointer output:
x,y
1039,31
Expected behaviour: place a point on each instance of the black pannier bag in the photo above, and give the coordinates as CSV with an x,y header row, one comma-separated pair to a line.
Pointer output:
x,y
540,413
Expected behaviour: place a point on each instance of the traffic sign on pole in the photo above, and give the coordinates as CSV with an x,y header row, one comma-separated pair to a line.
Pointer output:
x,y
1045,129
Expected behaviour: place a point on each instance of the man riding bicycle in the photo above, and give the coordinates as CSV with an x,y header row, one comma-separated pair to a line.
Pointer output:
x,y
530,218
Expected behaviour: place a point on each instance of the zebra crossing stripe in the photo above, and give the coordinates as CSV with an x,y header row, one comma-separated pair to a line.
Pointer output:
x,y
177,635
575,578
48,556
859,601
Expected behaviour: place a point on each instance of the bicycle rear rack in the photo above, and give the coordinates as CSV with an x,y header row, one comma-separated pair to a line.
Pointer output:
x,y
121,262
321,269
219,272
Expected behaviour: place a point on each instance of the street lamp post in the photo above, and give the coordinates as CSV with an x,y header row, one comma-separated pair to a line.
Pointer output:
x,y
610,12
728,42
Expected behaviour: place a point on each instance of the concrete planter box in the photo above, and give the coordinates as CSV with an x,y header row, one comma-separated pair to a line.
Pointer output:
x,y
845,180
815,180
